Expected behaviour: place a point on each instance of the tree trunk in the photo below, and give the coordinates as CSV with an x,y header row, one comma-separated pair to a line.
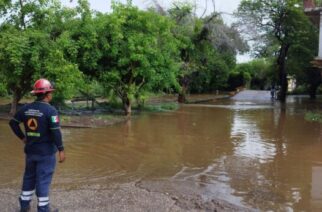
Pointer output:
x,y
182,97
312,90
127,106
282,72
314,80
140,104
184,82
22,15
284,85
15,100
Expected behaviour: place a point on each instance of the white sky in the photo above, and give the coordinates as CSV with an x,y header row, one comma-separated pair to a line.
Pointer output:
x,y
224,6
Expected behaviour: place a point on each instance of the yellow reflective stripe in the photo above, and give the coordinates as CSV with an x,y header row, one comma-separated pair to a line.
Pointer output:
x,y
33,134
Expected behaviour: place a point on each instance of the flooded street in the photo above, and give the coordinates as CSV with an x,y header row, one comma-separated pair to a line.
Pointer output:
x,y
254,155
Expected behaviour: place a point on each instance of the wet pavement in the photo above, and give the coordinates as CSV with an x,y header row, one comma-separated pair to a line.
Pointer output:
x,y
224,155
253,95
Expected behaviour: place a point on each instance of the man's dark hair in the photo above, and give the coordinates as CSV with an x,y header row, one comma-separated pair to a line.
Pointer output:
x,y
41,96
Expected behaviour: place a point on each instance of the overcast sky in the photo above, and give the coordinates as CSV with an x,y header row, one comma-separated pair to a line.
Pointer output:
x,y
226,7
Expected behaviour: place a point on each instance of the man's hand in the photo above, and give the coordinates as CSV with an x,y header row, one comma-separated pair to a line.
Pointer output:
x,y
61,155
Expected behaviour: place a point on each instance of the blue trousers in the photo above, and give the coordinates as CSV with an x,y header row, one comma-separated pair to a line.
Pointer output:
x,y
38,175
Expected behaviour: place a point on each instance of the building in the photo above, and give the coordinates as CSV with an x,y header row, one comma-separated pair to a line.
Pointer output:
x,y
313,9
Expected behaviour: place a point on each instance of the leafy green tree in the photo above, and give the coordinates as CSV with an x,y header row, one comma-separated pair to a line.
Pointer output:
x,y
19,60
186,29
140,53
299,62
89,42
256,74
32,46
276,26
66,76
3,86
212,72
208,49
263,73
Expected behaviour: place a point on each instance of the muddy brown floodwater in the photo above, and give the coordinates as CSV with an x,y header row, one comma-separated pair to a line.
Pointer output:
x,y
250,154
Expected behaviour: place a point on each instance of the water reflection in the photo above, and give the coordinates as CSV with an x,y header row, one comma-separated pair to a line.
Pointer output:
x,y
248,140
316,188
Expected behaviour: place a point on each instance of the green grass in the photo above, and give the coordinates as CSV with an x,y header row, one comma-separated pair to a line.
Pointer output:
x,y
108,117
314,117
163,107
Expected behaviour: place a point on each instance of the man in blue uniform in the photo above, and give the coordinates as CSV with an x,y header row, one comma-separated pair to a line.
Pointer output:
x,y
42,139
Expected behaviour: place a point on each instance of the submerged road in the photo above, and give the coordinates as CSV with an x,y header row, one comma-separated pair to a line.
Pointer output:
x,y
256,95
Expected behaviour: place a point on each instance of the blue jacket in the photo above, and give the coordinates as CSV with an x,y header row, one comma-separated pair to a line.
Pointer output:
x,y
42,128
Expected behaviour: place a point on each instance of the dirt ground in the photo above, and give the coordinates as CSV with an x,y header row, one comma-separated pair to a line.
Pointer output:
x,y
120,198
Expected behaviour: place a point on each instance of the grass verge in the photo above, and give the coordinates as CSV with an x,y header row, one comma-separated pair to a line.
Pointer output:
x,y
163,107
314,117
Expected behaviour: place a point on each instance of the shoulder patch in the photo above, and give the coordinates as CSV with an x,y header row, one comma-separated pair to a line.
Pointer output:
x,y
54,119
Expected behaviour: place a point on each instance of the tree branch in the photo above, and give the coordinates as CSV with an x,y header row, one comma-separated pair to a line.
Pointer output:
x,y
22,15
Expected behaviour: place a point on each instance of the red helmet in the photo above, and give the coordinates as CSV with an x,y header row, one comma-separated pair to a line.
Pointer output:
x,y
42,86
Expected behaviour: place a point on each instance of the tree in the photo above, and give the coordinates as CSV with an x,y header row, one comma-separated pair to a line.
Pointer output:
x,y
87,33
256,74
208,49
140,53
187,28
31,46
212,70
275,26
19,60
3,86
299,62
